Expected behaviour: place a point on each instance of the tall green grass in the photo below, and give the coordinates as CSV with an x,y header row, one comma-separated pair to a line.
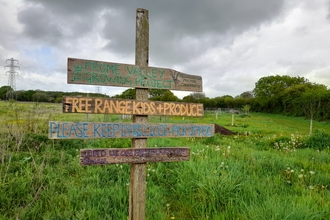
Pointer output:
x,y
271,169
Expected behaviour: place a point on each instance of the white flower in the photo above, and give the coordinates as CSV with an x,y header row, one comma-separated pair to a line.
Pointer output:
x,y
312,172
300,176
311,187
291,171
228,147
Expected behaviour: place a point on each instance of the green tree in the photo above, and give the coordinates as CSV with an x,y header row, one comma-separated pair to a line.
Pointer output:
x,y
271,86
127,94
3,92
246,109
162,95
247,95
311,103
40,96
269,90
167,96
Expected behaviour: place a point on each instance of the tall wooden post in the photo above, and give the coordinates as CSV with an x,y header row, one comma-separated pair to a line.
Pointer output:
x,y
137,201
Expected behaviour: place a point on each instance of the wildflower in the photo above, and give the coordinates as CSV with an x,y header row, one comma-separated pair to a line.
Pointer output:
x,y
311,187
291,171
228,147
312,172
207,145
172,217
121,166
302,170
153,170
168,204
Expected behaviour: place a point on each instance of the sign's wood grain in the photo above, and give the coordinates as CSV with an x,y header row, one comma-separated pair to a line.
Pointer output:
x,y
92,130
130,107
91,72
100,156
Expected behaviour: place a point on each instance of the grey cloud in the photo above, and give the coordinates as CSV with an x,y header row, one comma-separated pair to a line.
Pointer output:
x,y
44,24
171,22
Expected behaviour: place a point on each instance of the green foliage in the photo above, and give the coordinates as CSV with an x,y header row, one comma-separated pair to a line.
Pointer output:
x,y
127,94
320,140
271,86
162,95
3,92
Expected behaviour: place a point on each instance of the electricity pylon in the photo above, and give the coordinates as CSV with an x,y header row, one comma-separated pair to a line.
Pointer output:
x,y
11,77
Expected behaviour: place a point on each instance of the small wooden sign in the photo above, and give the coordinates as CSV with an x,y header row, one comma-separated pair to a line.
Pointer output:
x,y
92,130
130,107
91,72
100,156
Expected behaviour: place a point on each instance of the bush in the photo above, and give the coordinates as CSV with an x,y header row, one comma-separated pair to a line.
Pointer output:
x,y
319,140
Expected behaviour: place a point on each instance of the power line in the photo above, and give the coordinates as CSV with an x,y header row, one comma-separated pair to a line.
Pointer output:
x,y
11,77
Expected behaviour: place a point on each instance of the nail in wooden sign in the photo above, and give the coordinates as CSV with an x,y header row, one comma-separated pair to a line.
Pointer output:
x,y
130,107
91,72
101,156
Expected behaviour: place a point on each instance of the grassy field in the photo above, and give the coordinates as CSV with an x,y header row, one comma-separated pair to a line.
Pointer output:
x,y
271,169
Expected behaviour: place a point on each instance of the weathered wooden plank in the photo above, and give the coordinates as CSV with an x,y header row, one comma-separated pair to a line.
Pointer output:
x,y
100,156
91,72
130,107
92,130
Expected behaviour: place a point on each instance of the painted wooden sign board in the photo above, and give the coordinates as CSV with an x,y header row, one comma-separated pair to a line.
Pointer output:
x,y
101,156
91,72
93,130
130,107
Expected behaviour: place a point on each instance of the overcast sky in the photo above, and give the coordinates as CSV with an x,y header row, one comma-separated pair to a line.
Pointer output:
x,y
230,43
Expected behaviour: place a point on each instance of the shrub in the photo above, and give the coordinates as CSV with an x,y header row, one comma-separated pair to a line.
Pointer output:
x,y
319,140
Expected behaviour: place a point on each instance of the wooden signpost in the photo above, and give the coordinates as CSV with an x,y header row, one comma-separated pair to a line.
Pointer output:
x,y
91,72
101,156
92,130
130,107
141,77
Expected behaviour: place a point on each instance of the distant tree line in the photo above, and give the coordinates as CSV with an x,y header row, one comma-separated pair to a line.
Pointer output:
x,y
42,96
292,96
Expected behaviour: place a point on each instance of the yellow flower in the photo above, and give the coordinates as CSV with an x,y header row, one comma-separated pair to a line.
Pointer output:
x,y
172,217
